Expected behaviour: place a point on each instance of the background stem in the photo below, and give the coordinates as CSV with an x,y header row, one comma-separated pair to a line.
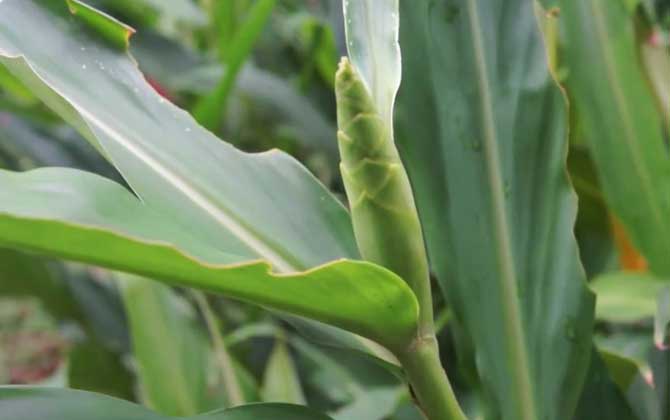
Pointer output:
x,y
225,362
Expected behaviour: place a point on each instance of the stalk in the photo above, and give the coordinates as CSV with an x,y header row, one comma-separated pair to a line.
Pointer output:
x,y
385,219
388,230
429,381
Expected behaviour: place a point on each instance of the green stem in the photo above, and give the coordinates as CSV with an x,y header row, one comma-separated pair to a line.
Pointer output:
x,y
429,381
210,108
225,362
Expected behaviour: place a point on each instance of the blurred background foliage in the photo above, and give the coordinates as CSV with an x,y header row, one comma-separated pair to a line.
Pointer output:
x,y
259,73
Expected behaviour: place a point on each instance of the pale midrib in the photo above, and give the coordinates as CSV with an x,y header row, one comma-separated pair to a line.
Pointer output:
x,y
516,342
196,197
621,104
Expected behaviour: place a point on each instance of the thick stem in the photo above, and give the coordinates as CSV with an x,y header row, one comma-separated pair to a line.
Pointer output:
x,y
429,381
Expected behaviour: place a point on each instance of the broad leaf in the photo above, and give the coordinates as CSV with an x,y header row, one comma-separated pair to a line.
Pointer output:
x,y
481,126
245,204
621,121
42,403
99,222
239,203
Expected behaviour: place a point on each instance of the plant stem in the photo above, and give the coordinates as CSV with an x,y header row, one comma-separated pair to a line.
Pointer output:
x,y
225,362
210,108
429,381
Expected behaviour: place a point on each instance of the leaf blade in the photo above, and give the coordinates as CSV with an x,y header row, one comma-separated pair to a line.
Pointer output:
x,y
478,104
84,210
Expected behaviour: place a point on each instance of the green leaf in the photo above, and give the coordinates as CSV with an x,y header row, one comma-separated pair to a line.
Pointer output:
x,y
25,275
626,297
92,367
372,42
243,204
281,382
601,398
628,375
662,320
481,126
171,351
661,367
46,403
106,26
622,369
85,211
621,122
210,109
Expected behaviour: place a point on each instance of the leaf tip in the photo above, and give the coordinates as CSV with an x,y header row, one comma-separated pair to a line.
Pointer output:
x,y
110,28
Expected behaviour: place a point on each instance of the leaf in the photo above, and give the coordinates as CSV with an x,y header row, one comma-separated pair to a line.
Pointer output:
x,y
364,389
481,127
92,367
369,24
601,398
85,211
24,275
626,297
662,320
621,122
281,382
241,203
47,403
628,375
180,69
228,198
661,368
209,110
170,349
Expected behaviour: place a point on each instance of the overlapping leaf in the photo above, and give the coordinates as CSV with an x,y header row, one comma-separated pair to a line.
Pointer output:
x,y
212,201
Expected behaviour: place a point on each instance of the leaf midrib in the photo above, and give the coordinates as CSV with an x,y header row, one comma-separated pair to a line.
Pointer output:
x,y
516,344
224,218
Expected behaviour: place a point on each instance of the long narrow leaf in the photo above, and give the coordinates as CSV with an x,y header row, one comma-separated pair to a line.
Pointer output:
x,y
481,126
621,122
